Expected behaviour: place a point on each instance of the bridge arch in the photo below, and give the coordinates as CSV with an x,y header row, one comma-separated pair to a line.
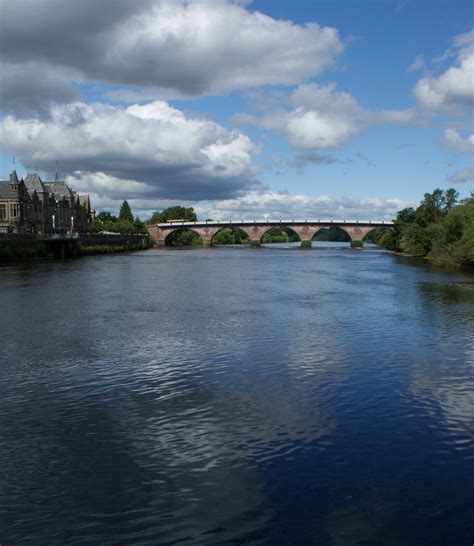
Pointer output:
x,y
183,236
267,234
230,235
332,234
369,236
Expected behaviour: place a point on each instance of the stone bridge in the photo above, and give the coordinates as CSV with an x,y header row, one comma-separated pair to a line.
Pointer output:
x,y
255,230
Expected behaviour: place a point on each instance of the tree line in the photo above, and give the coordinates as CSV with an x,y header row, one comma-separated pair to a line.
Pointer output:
x,y
125,223
440,228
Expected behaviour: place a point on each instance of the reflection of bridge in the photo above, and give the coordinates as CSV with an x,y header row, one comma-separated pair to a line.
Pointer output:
x,y
255,230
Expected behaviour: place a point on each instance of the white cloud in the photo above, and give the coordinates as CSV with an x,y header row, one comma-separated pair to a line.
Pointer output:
x,y
254,205
455,86
178,47
461,176
452,139
417,64
275,205
318,117
152,144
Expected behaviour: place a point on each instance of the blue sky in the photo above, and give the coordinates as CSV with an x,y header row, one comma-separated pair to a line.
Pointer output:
x,y
253,115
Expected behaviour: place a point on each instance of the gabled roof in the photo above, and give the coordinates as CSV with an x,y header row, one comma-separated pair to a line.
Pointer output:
x,y
34,183
60,189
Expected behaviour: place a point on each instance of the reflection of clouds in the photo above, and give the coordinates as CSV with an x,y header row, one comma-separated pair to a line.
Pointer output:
x,y
446,380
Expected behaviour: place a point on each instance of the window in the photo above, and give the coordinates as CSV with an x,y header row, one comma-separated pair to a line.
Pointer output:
x,y
3,211
14,210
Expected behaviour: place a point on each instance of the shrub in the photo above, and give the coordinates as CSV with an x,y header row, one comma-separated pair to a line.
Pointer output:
x,y
357,244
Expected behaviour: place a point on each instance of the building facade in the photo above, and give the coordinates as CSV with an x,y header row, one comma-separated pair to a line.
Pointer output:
x,y
34,206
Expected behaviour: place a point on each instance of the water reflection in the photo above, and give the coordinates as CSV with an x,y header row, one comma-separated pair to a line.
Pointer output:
x,y
236,395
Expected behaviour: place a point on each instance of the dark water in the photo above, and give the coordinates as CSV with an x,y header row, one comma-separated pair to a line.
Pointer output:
x,y
236,396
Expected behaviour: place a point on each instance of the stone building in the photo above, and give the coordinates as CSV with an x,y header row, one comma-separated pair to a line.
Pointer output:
x,y
34,206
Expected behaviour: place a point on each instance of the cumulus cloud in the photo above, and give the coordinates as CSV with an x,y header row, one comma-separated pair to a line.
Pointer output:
x,y
318,117
275,205
454,87
253,205
461,176
452,139
184,47
155,145
33,88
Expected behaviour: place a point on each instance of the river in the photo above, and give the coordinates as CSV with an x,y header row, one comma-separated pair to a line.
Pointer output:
x,y
237,396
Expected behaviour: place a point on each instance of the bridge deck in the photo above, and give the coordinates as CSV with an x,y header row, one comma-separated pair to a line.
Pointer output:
x,y
381,223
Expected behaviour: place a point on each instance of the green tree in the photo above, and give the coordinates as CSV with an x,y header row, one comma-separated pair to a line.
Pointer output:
x,y
415,240
230,236
439,228
173,213
139,226
106,217
125,213
183,237
450,199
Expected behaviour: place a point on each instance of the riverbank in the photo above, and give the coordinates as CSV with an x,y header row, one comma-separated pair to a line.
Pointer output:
x,y
29,247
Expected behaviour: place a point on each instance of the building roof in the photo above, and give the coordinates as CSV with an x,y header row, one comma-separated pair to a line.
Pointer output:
x,y
60,189
14,178
4,189
34,183
85,202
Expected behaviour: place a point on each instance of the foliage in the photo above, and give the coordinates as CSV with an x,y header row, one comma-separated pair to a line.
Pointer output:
x,y
173,213
22,250
231,236
356,243
254,243
439,228
183,237
332,234
306,244
280,235
90,250
125,214
124,224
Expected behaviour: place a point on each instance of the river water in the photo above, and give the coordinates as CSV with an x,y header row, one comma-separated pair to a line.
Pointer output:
x,y
237,396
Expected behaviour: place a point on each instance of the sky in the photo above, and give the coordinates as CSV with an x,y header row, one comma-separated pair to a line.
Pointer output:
x,y
344,109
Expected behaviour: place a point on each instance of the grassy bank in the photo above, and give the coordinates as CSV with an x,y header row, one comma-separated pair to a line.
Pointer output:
x,y
92,250
22,250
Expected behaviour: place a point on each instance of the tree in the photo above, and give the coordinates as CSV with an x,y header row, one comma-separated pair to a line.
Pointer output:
x,y
106,217
450,199
231,236
173,213
125,213
439,228
139,226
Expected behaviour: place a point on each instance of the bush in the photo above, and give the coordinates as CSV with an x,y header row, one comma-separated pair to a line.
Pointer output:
x,y
306,244
254,243
357,244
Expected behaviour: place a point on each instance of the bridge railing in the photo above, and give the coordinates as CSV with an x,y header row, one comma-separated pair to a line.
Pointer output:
x,y
274,222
